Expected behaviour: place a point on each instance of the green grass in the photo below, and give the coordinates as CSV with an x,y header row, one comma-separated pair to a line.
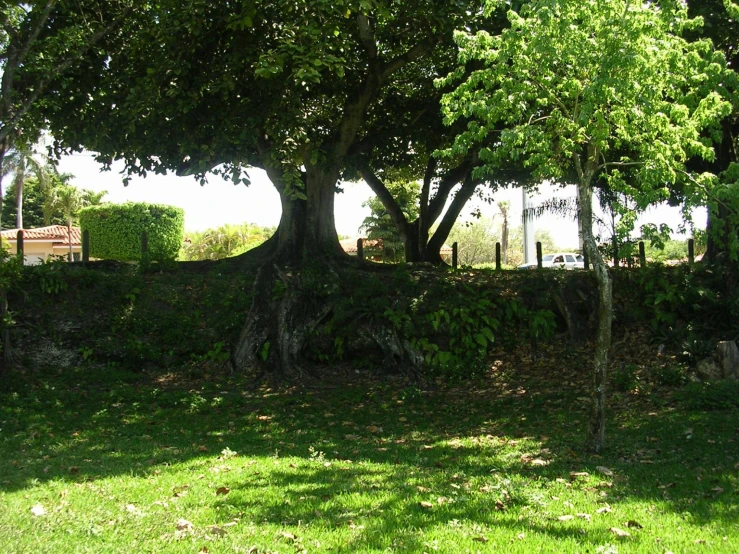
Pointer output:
x,y
116,462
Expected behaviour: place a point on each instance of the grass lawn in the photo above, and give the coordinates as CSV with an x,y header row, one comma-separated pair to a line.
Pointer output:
x,y
110,462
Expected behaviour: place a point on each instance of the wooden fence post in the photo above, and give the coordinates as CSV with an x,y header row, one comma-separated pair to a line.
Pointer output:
x,y
455,253
691,251
360,249
538,254
642,254
497,256
85,246
19,243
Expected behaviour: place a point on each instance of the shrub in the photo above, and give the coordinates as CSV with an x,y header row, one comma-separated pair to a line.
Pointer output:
x,y
722,395
116,229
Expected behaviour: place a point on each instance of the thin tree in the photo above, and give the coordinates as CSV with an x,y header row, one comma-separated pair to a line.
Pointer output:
x,y
595,89
504,208
21,163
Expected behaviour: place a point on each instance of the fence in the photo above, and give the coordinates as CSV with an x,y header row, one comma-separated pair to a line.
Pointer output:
x,y
539,256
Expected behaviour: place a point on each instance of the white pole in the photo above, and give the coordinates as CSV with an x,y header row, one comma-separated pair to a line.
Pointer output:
x,y
529,243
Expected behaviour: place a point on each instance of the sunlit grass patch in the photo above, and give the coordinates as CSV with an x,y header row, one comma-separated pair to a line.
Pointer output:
x,y
114,463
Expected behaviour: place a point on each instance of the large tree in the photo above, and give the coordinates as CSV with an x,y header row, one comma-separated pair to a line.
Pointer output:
x,y
595,89
289,87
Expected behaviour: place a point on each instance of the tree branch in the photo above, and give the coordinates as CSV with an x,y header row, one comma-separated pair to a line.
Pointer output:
x,y
34,33
10,124
617,164
554,97
354,108
447,183
450,217
392,207
418,51
367,35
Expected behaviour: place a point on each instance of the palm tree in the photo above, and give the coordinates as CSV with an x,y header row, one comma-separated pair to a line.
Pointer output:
x,y
22,162
68,200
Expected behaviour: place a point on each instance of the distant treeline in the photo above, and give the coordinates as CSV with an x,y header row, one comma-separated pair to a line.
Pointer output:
x,y
224,241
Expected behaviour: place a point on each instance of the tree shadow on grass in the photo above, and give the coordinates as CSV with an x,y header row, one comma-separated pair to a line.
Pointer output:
x,y
365,458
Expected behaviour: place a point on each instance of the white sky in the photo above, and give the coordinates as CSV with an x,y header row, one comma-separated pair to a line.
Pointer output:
x,y
219,201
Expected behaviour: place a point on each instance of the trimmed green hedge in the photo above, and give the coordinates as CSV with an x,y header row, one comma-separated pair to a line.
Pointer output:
x,y
115,230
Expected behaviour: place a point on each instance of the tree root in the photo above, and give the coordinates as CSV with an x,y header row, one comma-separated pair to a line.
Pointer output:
x,y
282,318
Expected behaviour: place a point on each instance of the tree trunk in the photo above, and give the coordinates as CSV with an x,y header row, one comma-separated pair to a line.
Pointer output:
x,y
433,248
19,201
596,433
287,303
3,149
504,240
69,240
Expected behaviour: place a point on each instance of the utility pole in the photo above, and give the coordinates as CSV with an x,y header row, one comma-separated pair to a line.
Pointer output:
x,y
529,245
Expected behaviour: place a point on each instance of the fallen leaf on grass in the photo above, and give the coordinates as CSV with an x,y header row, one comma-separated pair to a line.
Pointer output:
x,y
499,505
619,532
131,509
604,510
184,525
605,471
38,510
631,524
351,437
223,490
575,474
287,535
218,531
425,504
584,516
566,518
480,539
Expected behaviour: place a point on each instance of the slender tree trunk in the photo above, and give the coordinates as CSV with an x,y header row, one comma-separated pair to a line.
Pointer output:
x,y
19,199
69,240
596,433
433,247
504,239
3,150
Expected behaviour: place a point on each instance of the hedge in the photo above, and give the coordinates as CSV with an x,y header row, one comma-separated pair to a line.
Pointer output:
x,y
116,229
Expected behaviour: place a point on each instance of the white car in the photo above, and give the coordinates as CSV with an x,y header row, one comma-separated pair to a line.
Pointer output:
x,y
563,260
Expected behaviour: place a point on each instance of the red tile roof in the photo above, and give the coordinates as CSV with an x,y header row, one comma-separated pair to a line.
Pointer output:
x,y
52,233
